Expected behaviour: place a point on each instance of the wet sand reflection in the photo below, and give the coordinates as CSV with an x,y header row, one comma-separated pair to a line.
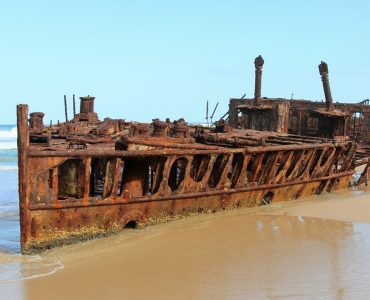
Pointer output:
x,y
234,255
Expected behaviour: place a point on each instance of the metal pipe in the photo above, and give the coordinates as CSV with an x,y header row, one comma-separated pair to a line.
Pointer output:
x,y
171,152
324,72
65,108
74,106
258,63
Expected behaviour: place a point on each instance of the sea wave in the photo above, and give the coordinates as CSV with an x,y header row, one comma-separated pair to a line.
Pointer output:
x,y
8,145
14,267
10,133
9,213
8,168
8,158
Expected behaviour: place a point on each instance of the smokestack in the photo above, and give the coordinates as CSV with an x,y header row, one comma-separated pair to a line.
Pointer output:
x,y
37,121
87,105
87,110
324,72
258,63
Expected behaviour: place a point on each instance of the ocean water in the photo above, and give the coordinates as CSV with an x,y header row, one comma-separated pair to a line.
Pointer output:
x,y
9,219
13,265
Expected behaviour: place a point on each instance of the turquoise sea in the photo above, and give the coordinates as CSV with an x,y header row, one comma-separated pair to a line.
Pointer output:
x,y
9,219
14,267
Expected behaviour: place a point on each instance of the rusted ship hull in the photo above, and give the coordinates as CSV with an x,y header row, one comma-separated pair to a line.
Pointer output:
x,y
69,223
87,178
72,195
324,119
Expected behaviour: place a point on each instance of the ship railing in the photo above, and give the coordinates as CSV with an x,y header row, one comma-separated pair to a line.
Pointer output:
x,y
85,177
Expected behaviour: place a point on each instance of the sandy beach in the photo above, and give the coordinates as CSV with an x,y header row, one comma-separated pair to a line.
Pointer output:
x,y
315,248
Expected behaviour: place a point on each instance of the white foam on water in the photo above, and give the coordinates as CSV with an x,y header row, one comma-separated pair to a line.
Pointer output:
x,y
8,138
8,168
15,267
11,133
8,145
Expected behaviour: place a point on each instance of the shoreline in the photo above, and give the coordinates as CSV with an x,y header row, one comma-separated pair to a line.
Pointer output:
x,y
189,258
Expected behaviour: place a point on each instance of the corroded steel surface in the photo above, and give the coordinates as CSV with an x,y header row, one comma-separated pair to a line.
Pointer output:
x,y
258,63
339,121
324,72
84,179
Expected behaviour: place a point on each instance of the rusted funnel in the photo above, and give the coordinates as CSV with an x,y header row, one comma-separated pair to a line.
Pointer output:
x,y
37,121
324,72
87,104
258,63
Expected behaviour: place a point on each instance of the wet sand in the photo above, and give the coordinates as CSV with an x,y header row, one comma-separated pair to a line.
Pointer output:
x,y
350,206
315,248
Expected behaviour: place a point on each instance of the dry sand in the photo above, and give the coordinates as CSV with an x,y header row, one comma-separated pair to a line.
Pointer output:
x,y
306,249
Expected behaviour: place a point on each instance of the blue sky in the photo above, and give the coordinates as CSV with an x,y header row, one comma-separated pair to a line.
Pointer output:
x,y
146,59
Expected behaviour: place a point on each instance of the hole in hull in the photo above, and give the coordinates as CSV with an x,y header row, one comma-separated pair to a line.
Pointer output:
x,y
70,179
177,173
267,198
130,225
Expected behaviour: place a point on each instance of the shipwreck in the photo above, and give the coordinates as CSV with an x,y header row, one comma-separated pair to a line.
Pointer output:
x,y
325,119
87,178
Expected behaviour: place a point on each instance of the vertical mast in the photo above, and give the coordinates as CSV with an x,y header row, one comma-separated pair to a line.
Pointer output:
x,y
74,106
65,108
23,144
